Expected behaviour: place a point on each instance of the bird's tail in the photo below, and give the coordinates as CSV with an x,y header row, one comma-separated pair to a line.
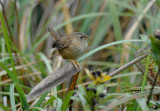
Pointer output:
x,y
53,33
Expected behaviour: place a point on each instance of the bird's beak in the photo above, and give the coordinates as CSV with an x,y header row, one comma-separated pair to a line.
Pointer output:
x,y
88,37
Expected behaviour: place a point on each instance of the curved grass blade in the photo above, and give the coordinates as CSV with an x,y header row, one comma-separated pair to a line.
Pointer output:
x,y
104,46
44,58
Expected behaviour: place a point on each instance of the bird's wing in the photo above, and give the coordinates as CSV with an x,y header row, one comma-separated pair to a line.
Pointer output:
x,y
64,42
59,45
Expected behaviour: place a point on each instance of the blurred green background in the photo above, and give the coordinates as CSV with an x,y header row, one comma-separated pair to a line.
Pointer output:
x,y
30,57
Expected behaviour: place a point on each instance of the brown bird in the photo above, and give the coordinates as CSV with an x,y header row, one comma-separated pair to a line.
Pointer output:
x,y
70,46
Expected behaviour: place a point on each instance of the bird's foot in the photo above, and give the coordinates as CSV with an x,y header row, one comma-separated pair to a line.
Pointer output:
x,y
75,63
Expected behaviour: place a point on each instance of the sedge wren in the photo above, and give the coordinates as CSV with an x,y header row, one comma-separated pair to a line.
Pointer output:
x,y
70,46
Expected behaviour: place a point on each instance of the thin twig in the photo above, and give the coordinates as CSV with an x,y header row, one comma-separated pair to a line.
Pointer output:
x,y
128,65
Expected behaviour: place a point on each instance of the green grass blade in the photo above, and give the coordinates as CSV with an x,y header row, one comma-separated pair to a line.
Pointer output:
x,y
22,97
41,99
12,100
41,67
105,46
116,24
66,100
7,43
44,58
49,101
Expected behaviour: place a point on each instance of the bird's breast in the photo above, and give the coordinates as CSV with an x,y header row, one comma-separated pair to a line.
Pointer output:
x,y
73,51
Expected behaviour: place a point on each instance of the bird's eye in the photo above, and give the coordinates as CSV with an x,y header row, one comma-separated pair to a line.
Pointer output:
x,y
80,37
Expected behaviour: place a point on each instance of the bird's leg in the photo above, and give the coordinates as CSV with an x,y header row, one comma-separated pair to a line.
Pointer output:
x,y
75,63
75,77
